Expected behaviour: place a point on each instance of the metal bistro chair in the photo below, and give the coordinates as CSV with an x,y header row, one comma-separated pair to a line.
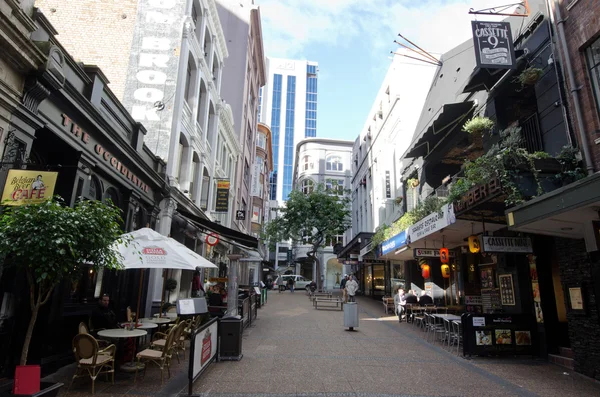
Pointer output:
x,y
91,360
161,339
447,332
83,329
456,334
433,327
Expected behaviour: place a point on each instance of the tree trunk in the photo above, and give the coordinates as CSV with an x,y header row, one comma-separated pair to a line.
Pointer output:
x,y
25,351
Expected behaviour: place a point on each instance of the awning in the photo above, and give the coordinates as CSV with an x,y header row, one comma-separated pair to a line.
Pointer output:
x,y
450,116
566,212
224,232
353,247
483,79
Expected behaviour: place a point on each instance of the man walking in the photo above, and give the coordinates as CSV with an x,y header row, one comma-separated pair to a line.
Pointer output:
x,y
291,284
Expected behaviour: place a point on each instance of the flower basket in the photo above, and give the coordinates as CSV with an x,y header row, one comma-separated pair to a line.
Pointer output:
x,y
530,76
479,125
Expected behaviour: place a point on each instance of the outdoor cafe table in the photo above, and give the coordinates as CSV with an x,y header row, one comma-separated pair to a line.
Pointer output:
x,y
449,317
123,334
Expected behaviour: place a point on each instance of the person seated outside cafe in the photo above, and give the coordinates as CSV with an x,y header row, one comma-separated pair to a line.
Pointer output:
x,y
102,316
197,288
400,303
411,299
425,299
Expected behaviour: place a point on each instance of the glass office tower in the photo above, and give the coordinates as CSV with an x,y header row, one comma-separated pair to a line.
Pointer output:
x,y
288,104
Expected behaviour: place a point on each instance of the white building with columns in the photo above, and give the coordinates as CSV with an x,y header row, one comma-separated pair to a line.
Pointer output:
x,y
166,61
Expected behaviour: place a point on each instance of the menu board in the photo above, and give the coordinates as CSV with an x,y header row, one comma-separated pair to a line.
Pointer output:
x,y
487,277
490,299
498,333
507,289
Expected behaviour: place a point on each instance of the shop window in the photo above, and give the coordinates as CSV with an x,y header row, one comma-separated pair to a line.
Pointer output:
x,y
112,195
593,59
94,190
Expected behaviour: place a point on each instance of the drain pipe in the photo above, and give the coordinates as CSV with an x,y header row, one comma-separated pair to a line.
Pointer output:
x,y
573,89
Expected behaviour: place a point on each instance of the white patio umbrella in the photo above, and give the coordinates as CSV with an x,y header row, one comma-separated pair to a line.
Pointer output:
x,y
148,249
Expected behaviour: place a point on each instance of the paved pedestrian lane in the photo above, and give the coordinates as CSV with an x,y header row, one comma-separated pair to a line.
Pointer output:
x,y
293,349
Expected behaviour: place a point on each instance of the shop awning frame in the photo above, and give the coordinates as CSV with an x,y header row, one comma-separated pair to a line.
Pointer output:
x,y
449,117
228,234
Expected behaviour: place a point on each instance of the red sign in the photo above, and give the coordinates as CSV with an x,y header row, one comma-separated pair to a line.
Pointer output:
x,y
206,348
154,251
212,239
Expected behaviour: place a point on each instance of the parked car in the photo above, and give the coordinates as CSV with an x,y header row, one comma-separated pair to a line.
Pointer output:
x,y
301,282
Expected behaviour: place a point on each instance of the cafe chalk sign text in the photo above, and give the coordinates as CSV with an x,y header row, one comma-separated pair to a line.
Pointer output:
x,y
521,245
114,162
493,44
222,199
28,187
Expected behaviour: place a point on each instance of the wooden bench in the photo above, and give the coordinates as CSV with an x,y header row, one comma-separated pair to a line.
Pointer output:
x,y
320,295
328,302
388,303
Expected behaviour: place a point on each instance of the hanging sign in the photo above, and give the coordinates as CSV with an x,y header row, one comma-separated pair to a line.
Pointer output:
x,y
507,244
388,187
28,187
222,199
494,48
429,253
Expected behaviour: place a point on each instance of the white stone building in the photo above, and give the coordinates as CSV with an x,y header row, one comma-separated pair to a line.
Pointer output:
x,y
328,162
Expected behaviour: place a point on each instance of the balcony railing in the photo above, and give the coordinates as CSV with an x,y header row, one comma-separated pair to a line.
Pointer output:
x,y
532,137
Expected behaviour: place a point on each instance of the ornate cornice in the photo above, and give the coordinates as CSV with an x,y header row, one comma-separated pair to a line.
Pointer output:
x,y
214,19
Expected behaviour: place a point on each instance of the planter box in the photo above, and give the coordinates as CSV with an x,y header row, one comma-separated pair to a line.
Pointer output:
x,y
47,389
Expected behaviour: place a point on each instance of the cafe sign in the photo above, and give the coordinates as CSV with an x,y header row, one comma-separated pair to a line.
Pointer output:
x,y
429,253
431,223
28,187
519,245
494,48
222,199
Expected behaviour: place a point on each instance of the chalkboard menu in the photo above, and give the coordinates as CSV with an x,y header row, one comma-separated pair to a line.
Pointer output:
x,y
486,334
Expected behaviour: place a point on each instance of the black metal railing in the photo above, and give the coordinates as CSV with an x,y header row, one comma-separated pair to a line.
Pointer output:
x,y
532,136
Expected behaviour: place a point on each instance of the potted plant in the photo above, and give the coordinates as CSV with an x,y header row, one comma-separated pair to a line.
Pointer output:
x,y
398,200
529,76
49,242
479,125
412,183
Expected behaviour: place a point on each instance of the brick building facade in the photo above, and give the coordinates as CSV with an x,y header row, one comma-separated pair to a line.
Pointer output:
x,y
581,22
112,24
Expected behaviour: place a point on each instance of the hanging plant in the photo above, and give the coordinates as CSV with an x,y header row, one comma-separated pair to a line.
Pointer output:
x,y
412,183
479,125
529,76
398,200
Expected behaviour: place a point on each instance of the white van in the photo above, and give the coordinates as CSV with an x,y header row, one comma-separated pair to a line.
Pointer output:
x,y
300,281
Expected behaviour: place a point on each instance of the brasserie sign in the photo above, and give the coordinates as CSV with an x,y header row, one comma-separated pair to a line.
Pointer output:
x,y
493,44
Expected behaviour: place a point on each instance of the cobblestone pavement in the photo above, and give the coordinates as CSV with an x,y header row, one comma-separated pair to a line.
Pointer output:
x,y
294,349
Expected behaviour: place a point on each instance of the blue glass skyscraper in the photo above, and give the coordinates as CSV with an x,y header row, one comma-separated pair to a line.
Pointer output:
x,y
288,104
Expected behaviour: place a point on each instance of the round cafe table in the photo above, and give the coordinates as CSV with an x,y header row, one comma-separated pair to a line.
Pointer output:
x,y
124,334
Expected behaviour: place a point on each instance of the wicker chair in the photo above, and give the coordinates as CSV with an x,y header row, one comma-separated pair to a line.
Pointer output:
x,y
161,339
91,360
162,358
83,329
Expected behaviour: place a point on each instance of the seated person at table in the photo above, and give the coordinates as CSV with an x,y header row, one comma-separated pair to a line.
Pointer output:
x,y
411,298
102,316
425,299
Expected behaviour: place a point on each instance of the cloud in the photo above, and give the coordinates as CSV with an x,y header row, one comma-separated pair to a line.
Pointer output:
x,y
292,26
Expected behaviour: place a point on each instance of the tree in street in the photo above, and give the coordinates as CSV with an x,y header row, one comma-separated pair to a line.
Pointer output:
x,y
50,242
314,218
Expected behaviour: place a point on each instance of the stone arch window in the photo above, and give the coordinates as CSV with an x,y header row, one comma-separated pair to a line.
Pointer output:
x,y
95,188
113,195
334,163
